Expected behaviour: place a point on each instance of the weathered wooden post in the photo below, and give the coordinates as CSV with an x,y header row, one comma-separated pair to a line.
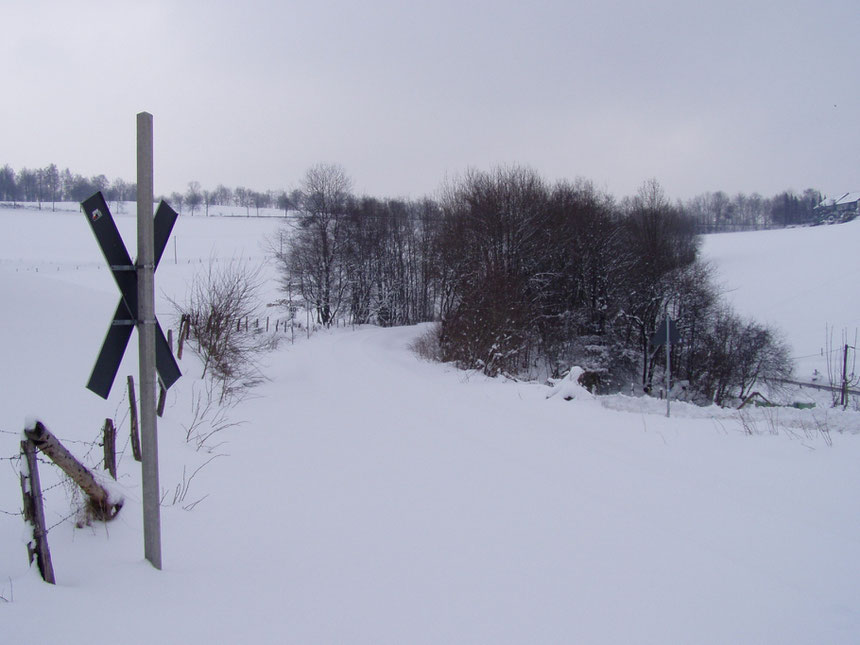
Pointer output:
x,y
34,512
132,406
162,396
184,323
109,445
100,505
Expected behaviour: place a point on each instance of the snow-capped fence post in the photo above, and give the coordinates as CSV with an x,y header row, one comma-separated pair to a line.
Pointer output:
x,y
132,406
100,506
34,512
184,324
109,445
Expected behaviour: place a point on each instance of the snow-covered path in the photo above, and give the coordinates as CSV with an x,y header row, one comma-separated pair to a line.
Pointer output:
x,y
443,511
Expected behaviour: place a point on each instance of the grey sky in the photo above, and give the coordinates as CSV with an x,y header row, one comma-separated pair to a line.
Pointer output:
x,y
735,96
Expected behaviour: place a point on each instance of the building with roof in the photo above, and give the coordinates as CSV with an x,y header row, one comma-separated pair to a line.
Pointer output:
x,y
839,209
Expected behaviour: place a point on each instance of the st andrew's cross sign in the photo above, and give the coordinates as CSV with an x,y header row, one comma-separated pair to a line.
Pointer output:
x,y
125,274
666,330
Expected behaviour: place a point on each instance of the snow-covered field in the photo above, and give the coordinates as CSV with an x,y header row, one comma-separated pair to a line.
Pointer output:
x,y
802,281
370,497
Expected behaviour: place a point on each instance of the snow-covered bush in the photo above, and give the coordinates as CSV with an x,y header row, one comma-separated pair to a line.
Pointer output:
x,y
218,302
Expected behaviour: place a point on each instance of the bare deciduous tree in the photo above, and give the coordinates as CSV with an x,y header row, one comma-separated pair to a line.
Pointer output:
x,y
315,257
218,305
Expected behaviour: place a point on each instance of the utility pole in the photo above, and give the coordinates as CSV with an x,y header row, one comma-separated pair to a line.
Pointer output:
x,y
146,340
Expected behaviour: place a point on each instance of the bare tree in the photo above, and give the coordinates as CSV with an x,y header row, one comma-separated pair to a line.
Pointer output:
x,y
194,196
52,183
177,200
315,255
219,305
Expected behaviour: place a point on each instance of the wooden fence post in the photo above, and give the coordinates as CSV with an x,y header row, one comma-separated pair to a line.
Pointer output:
x,y
34,512
100,506
162,395
109,443
135,435
184,323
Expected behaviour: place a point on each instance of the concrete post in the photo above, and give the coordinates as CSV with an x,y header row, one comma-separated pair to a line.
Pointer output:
x,y
146,340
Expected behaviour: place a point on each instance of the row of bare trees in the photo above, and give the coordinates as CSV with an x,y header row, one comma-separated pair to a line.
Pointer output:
x,y
51,185
711,211
525,278
362,259
197,199
719,211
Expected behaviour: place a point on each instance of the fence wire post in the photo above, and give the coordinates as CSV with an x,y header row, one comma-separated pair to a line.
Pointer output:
x,y
109,445
34,512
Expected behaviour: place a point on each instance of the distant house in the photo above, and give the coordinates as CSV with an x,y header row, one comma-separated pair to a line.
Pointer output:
x,y
839,209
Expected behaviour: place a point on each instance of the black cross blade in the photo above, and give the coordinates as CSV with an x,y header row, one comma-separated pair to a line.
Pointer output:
x,y
165,218
113,348
104,228
165,364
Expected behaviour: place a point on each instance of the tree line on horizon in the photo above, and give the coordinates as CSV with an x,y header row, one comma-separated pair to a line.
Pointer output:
x,y
50,185
711,211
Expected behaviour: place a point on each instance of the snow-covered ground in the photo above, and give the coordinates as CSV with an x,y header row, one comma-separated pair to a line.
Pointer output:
x,y
801,281
370,497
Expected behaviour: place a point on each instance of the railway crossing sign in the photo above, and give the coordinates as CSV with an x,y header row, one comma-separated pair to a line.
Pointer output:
x,y
666,329
667,334
125,273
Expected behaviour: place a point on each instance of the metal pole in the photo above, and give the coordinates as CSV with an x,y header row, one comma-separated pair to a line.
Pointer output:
x,y
668,360
146,339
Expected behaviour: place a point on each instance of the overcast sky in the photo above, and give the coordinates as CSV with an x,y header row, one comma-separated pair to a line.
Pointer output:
x,y
737,96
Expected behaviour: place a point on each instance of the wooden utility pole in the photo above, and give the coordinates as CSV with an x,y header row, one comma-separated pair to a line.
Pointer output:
x,y
146,340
